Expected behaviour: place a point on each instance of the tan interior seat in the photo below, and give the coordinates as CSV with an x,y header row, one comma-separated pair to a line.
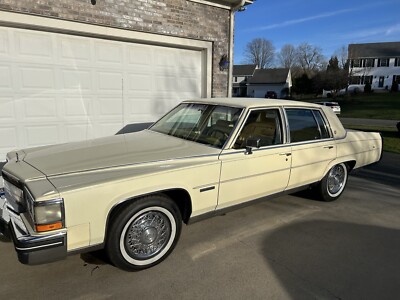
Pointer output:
x,y
264,128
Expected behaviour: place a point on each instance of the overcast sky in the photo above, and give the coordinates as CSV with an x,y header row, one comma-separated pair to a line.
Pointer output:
x,y
329,24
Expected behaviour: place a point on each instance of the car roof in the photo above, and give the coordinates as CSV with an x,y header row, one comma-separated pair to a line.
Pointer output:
x,y
251,102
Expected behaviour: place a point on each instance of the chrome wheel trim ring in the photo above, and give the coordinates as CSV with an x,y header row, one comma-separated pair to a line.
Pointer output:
x,y
336,180
148,235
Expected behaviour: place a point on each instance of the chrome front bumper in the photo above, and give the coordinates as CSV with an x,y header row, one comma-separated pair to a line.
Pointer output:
x,y
31,249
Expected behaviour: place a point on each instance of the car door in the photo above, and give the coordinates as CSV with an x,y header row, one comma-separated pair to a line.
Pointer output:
x,y
312,144
255,172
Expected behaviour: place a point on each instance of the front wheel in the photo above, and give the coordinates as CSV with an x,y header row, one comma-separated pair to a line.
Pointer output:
x,y
332,185
143,233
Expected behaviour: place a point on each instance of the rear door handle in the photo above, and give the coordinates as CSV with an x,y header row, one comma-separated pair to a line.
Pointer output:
x,y
328,147
286,153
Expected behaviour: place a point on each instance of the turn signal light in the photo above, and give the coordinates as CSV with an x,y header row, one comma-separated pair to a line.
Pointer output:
x,y
48,227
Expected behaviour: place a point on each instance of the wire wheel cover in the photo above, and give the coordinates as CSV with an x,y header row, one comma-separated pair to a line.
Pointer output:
x,y
147,235
336,179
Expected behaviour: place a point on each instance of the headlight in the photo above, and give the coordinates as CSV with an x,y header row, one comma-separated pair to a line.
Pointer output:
x,y
46,215
12,192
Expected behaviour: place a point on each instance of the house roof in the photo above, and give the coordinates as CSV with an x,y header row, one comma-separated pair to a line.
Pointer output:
x,y
389,49
231,2
269,76
244,70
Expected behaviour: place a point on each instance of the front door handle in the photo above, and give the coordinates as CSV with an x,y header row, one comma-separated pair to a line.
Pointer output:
x,y
328,147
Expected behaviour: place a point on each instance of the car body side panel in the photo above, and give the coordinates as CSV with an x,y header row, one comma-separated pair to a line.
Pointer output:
x,y
309,161
362,147
248,176
90,197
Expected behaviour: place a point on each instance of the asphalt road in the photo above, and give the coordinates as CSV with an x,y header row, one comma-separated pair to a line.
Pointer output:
x,y
287,248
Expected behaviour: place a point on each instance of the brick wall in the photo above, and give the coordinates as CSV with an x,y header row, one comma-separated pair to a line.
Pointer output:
x,y
169,17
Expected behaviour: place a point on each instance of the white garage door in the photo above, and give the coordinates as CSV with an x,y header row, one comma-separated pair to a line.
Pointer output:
x,y
57,88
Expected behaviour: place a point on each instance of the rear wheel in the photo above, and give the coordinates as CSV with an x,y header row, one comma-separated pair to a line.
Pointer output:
x,y
143,233
332,185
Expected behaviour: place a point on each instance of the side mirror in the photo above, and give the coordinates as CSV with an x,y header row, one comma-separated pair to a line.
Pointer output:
x,y
251,143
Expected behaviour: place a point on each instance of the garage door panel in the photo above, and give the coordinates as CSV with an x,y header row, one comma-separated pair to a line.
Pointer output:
x,y
167,58
109,81
188,85
76,50
6,77
76,79
109,53
36,78
139,56
77,108
39,109
109,107
7,107
4,42
8,138
139,82
66,88
78,132
166,83
41,135
140,107
34,45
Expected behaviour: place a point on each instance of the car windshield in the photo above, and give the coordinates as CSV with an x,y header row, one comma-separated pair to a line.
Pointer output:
x,y
201,123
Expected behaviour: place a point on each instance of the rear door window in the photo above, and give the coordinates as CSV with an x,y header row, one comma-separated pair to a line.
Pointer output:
x,y
306,125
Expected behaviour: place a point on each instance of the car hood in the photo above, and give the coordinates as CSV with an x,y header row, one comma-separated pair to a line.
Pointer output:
x,y
119,150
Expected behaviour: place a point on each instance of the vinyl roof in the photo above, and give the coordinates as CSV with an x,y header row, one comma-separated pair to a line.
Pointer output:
x,y
252,102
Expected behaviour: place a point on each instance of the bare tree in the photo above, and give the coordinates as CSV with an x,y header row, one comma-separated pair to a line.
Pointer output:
x,y
310,58
342,55
287,56
260,52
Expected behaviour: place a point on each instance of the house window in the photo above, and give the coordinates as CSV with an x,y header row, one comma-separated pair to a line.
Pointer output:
x,y
356,63
396,78
366,79
383,62
235,79
397,62
355,79
368,62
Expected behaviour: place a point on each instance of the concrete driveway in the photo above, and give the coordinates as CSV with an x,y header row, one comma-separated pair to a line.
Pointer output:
x,y
287,248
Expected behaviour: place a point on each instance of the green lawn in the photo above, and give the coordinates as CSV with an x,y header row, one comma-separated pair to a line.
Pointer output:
x,y
368,106
391,137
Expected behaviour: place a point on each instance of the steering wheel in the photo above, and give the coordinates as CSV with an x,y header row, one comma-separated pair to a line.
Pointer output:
x,y
215,132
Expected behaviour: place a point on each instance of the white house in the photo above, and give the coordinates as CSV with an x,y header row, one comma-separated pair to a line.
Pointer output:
x,y
266,82
241,76
376,63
